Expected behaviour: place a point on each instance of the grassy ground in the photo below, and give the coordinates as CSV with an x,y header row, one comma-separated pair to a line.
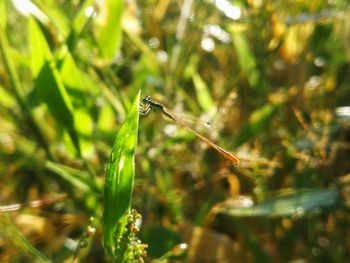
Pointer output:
x,y
272,79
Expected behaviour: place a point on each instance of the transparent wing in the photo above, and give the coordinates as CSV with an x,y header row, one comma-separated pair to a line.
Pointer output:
x,y
199,124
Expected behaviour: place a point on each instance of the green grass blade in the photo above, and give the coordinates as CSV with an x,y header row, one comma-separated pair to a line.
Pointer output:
x,y
204,98
40,50
120,177
294,204
77,178
17,239
109,27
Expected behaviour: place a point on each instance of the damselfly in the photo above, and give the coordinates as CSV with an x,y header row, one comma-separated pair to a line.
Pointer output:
x,y
148,104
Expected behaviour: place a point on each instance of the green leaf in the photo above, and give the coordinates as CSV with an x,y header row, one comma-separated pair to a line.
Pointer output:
x,y
120,177
109,27
39,48
48,83
85,130
69,72
295,204
76,178
106,118
73,81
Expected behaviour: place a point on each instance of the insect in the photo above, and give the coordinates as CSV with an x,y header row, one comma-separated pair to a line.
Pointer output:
x,y
148,104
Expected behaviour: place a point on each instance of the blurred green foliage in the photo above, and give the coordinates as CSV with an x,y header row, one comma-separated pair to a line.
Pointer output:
x,y
272,78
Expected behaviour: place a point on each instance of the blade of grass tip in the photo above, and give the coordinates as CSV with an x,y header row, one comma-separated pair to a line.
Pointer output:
x,y
120,178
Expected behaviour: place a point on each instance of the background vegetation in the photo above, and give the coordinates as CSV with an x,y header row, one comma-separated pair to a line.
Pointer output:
x,y
273,79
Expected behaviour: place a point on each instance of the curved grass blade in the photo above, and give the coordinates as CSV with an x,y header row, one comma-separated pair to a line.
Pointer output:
x,y
120,178
13,235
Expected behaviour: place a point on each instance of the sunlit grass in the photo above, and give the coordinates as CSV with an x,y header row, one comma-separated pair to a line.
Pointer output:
x,y
271,77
